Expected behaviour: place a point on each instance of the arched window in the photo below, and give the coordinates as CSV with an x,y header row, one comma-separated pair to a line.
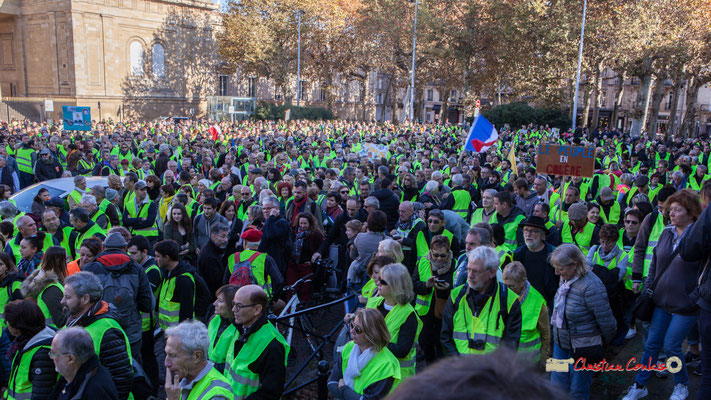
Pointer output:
x,y
158,58
136,55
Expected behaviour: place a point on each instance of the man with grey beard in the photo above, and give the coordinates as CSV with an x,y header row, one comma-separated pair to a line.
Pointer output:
x,y
534,257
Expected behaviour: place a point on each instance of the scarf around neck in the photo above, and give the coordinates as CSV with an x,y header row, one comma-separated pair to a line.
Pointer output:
x,y
559,303
357,361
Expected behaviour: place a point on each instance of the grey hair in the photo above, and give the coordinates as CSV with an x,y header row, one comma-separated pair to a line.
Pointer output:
x,y
639,198
491,192
76,341
436,174
486,255
432,186
569,255
483,234
626,179
8,210
84,282
399,281
372,201
79,178
457,180
193,336
88,198
678,174
271,199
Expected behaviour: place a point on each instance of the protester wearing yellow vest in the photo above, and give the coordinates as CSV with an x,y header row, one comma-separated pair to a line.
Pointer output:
x,y
32,375
263,269
578,230
221,327
432,281
140,215
366,367
189,374
82,299
511,218
610,210
535,328
73,200
483,314
256,358
26,227
393,301
84,228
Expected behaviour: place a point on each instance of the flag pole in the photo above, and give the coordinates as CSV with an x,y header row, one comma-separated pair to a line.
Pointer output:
x,y
464,143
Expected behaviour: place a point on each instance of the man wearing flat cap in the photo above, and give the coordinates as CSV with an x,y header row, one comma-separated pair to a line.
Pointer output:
x,y
534,256
47,167
578,230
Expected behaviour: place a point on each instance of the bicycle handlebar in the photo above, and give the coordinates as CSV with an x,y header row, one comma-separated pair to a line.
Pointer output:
x,y
298,283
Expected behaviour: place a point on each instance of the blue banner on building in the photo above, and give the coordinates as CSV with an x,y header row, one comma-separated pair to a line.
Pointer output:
x,y
76,118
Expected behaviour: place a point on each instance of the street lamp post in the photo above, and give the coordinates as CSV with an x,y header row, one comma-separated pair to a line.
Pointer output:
x,y
580,61
412,75
298,13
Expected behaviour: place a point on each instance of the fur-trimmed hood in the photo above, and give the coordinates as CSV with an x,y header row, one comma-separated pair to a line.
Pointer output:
x,y
38,280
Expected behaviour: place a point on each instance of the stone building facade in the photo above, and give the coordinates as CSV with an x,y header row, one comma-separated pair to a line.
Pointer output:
x,y
120,57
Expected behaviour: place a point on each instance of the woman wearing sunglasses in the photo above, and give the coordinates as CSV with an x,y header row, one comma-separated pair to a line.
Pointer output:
x,y
366,367
393,301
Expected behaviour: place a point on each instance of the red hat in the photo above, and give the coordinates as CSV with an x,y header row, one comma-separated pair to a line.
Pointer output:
x,y
252,235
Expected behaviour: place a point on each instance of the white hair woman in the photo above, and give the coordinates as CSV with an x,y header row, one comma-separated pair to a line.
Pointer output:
x,y
393,301
582,320
366,365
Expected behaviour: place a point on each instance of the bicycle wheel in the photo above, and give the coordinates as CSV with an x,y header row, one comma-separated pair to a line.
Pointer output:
x,y
309,332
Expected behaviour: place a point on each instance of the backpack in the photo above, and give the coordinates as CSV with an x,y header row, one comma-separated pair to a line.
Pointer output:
x,y
242,272
120,289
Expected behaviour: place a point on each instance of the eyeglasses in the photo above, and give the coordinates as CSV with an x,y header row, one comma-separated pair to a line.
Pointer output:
x,y
383,282
53,354
238,307
440,255
357,329
629,221
344,192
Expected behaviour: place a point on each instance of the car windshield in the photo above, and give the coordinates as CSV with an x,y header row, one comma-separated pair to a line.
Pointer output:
x,y
24,199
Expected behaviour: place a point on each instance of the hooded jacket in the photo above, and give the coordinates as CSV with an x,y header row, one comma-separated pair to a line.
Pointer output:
x,y
117,262
696,246
113,353
389,204
33,286
42,372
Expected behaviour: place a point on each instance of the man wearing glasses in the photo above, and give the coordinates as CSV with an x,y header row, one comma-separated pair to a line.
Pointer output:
x,y
435,227
256,361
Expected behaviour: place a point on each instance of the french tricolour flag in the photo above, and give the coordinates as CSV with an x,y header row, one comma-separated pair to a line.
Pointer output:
x,y
481,136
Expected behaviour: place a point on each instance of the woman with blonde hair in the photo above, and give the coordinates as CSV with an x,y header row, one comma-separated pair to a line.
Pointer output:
x,y
582,321
389,247
393,301
366,367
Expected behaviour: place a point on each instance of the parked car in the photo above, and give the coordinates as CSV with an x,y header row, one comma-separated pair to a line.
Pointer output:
x,y
57,188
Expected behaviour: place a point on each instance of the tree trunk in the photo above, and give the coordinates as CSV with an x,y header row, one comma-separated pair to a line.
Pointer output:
x,y
364,93
444,111
690,107
393,102
597,94
619,93
386,97
678,85
639,115
656,102
587,99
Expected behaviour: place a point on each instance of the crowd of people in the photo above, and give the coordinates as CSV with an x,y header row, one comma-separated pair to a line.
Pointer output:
x,y
159,282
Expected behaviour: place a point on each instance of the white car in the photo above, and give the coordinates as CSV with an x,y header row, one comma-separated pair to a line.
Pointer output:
x,y
57,188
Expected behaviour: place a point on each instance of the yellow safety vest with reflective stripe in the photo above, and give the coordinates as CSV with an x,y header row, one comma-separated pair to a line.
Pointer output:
x,y
405,233
368,288
24,160
219,344
147,318
95,228
657,229
530,342
462,201
257,267
211,385
582,239
245,382
151,231
487,327
19,386
424,301
43,306
97,330
394,320
614,217
383,366
423,247
5,296
168,310
510,230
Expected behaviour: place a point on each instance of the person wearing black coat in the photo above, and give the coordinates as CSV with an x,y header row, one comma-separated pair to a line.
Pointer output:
x,y
82,376
275,234
211,264
113,351
389,202
47,167
25,321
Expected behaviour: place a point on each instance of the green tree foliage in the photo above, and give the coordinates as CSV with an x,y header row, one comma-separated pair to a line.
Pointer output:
x,y
517,114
